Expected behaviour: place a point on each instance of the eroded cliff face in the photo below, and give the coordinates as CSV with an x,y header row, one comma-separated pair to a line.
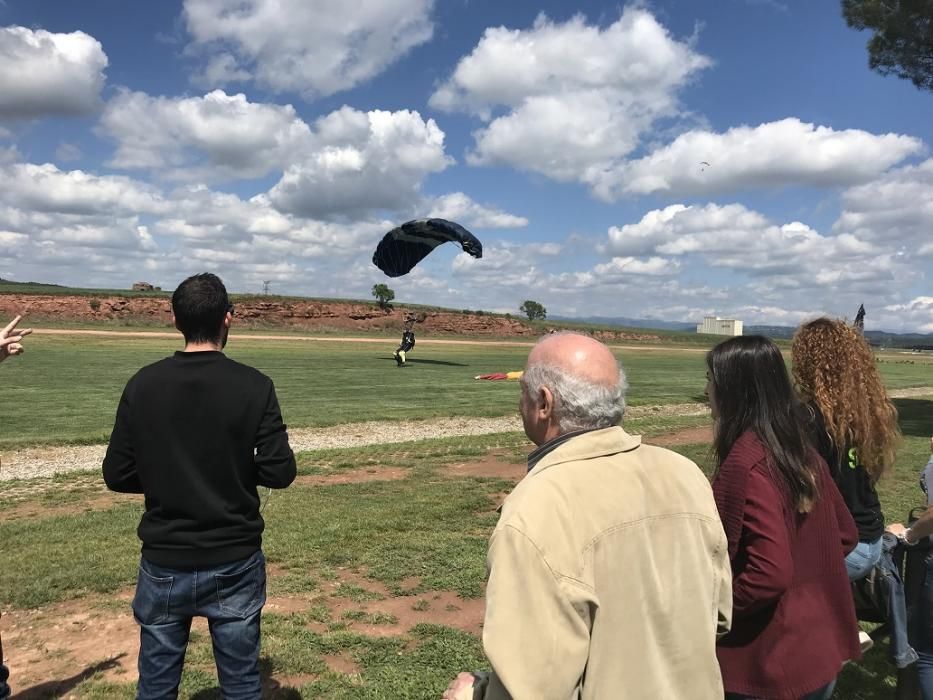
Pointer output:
x,y
309,315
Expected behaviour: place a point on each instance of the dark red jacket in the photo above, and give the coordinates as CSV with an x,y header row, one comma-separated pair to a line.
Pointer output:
x,y
793,620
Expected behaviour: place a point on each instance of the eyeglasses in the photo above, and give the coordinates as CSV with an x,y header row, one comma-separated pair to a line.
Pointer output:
x,y
230,309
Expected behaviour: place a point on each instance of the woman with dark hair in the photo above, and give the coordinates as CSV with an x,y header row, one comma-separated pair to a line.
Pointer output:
x,y
788,531
854,424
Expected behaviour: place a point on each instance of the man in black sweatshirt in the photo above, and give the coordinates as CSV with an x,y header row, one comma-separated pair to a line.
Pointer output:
x,y
196,433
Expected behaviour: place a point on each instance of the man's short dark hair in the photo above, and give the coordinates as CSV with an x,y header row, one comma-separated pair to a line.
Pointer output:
x,y
200,304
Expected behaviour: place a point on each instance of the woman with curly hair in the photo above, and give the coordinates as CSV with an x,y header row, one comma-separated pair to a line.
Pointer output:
x,y
854,424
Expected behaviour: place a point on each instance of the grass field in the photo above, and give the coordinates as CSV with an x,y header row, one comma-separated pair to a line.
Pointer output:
x,y
376,554
66,388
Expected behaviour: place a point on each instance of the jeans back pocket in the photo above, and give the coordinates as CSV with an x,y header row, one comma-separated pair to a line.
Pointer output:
x,y
152,601
242,593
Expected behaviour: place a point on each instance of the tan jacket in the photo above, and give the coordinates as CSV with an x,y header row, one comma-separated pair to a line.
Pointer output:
x,y
609,578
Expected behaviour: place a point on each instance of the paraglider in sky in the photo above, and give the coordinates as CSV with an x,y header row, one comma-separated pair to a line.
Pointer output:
x,y
405,246
704,164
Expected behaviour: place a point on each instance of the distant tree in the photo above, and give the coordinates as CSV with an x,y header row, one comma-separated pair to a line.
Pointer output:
x,y
902,43
533,310
383,295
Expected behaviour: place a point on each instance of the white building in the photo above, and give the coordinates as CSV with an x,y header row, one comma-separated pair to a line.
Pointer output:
x,y
720,326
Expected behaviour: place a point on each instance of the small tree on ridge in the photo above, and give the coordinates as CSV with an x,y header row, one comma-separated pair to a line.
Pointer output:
x,y
383,295
533,310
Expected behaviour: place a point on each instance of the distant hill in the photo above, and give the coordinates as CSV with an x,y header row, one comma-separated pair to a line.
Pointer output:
x,y
876,338
29,284
653,323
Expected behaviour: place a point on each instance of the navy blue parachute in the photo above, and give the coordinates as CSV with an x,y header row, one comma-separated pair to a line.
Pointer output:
x,y
405,246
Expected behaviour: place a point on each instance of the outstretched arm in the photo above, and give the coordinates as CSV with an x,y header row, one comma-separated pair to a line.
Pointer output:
x,y
11,337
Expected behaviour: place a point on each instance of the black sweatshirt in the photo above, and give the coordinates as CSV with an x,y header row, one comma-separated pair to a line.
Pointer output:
x,y
852,479
197,433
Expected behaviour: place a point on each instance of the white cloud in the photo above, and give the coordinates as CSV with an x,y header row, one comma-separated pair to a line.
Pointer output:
x,y
782,153
46,189
311,47
577,97
215,137
362,162
458,207
915,314
625,266
43,73
221,69
896,208
784,261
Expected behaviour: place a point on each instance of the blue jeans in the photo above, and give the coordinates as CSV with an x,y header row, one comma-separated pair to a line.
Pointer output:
x,y
230,596
824,693
861,560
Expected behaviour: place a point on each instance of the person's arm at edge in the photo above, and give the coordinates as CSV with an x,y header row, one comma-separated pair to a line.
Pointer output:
x,y
119,468
274,459
923,526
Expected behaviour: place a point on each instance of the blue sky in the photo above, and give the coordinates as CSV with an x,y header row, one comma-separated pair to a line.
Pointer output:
x,y
279,141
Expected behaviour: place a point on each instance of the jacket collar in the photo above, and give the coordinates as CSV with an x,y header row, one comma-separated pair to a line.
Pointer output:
x,y
587,445
538,454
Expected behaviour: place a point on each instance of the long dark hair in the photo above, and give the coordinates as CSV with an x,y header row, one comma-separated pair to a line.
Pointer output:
x,y
753,392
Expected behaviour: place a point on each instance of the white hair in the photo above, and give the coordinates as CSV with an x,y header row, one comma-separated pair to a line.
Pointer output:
x,y
579,404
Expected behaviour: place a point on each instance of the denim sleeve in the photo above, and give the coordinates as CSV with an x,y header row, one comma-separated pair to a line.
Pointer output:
x,y
926,480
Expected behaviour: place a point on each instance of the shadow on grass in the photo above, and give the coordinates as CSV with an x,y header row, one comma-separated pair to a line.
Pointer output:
x,y
916,416
271,688
416,361
61,688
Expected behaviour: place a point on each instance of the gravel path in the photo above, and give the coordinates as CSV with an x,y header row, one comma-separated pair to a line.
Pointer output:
x,y
35,462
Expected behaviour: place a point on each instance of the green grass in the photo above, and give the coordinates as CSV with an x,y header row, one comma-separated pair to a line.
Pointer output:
x,y
65,389
426,525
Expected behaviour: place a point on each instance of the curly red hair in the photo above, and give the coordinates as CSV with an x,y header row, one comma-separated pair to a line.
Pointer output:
x,y
835,369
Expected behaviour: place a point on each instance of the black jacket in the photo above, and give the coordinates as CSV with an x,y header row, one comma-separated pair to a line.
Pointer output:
x,y
853,481
408,341
196,433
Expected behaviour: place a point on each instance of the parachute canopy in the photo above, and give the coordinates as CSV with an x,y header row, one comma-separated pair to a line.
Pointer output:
x,y
405,246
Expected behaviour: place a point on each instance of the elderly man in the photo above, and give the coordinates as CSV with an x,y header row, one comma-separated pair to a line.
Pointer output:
x,y
609,574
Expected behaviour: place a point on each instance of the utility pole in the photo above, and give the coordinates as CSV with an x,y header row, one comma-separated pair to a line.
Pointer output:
x,y
265,287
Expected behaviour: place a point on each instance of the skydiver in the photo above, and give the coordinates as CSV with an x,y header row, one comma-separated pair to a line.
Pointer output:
x,y
408,342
